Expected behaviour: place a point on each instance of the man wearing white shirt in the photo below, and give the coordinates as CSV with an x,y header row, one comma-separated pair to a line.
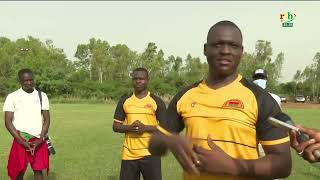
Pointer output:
x,y
23,119
260,78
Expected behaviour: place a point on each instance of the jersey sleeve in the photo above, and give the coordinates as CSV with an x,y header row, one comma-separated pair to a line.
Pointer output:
x,y
119,114
8,104
173,122
267,133
161,108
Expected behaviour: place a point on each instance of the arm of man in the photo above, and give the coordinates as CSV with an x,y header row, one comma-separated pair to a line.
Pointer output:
x,y
119,117
276,163
139,128
276,144
45,128
171,124
46,123
120,128
308,147
8,117
151,129
8,108
46,120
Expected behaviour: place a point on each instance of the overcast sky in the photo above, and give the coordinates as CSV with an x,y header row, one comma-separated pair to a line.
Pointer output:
x,y
178,28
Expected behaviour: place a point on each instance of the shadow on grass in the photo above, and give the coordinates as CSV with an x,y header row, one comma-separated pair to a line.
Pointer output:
x,y
112,178
52,176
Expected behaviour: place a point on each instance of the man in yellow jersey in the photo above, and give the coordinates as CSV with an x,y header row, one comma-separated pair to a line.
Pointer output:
x,y
225,117
137,115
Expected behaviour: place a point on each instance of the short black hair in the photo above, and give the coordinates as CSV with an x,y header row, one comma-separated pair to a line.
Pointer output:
x,y
24,71
141,69
225,23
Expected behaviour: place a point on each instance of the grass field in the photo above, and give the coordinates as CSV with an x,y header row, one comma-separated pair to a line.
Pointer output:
x,y
87,148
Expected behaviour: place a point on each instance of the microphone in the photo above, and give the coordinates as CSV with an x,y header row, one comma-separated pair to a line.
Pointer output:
x,y
283,121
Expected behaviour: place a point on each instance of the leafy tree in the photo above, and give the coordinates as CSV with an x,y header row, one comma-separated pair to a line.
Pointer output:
x,y
262,58
102,71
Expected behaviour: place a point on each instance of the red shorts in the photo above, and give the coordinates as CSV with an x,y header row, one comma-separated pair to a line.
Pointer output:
x,y
19,159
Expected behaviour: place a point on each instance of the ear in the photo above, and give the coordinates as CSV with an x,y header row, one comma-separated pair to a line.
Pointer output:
x,y
205,49
241,52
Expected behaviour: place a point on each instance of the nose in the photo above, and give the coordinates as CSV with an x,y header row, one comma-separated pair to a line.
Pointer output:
x,y
138,80
225,49
29,82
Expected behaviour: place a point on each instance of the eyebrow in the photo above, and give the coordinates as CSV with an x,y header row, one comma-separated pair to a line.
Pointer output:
x,y
225,41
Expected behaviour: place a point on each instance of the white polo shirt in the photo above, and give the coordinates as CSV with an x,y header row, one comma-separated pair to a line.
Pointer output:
x,y
276,97
27,110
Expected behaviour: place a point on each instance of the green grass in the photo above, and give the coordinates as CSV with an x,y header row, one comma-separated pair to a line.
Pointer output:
x,y
302,170
87,148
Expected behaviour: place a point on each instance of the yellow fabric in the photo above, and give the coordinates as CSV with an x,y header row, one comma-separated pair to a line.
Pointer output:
x,y
228,114
136,146
163,131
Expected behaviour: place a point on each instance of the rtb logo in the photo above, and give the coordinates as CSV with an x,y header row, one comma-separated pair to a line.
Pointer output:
x,y
287,18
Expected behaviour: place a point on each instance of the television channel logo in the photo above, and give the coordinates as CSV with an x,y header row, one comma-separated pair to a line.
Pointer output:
x,y
287,19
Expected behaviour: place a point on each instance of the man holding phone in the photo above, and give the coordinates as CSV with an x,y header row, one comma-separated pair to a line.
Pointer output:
x,y
305,141
306,149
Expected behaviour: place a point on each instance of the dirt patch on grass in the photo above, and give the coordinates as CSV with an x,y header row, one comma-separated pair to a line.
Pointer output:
x,y
300,105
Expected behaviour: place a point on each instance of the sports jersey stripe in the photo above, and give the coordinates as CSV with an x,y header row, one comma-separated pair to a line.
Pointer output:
x,y
220,140
136,149
116,120
278,141
222,108
138,137
141,113
224,119
162,130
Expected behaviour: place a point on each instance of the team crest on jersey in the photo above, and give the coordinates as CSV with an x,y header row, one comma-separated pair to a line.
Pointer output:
x,y
233,103
148,106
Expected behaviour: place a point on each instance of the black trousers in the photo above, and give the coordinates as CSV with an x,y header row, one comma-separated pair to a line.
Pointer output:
x,y
149,167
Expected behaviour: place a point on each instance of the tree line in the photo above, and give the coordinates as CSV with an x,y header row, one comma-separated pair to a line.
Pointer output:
x,y
102,71
305,82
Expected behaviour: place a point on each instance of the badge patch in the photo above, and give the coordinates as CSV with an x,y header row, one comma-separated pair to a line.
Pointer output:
x,y
233,103
149,106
